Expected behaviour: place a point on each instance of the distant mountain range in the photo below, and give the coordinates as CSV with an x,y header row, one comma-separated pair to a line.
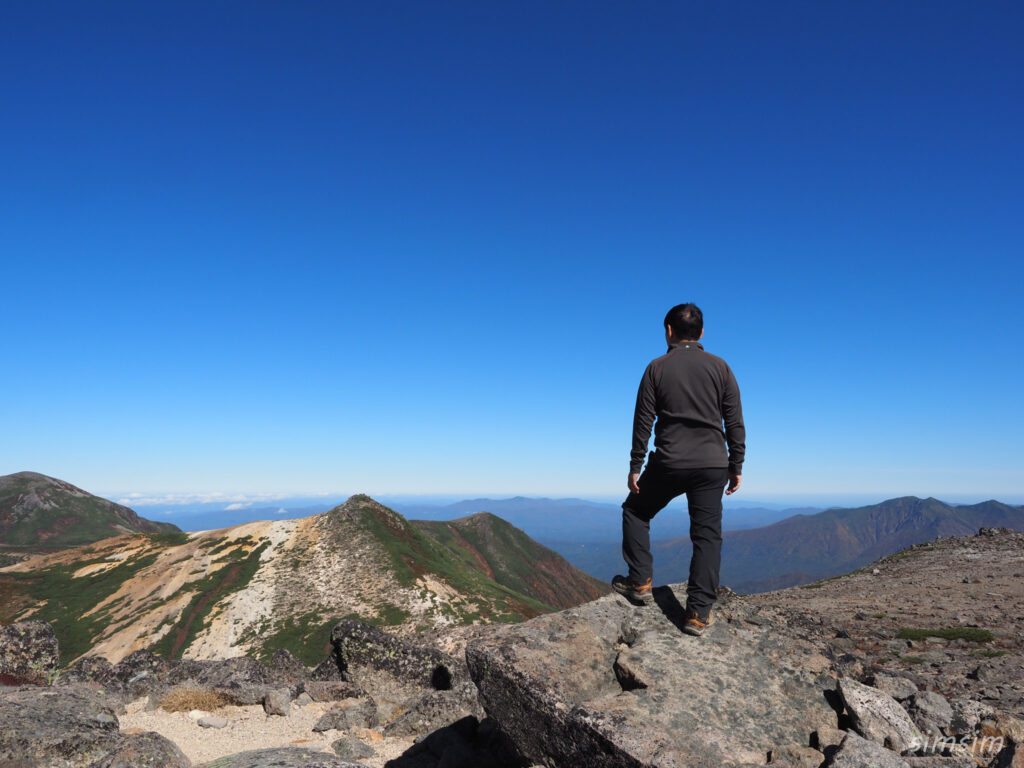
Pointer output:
x,y
41,511
804,548
265,585
580,520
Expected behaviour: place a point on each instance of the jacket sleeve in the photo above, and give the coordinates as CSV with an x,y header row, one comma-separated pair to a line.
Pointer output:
x,y
643,421
735,432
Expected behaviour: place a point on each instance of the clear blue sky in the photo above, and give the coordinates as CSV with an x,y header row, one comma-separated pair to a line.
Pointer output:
x,y
427,247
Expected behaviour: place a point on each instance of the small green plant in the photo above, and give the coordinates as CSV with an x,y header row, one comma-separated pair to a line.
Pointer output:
x,y
972,634
991,653
170,539
912,659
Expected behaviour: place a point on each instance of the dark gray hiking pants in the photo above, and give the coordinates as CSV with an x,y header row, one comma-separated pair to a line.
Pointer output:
x,y
658,486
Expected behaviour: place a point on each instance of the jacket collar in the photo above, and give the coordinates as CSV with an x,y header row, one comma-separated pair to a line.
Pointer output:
x,y
685,345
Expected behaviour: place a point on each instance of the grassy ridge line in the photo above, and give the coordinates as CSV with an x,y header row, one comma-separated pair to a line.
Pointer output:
x,y
414,553
66,599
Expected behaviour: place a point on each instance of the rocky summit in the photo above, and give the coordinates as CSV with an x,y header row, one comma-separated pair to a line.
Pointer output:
x,y
610,684
868,670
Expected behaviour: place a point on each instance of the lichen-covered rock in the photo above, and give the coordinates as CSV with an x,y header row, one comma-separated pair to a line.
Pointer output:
x,y
282,757
858,752
92,669
358,644
142,673
878,717
242,679
28,652
68,727
608,684
353,714
144,750
332,690
968,716
435,710
351,749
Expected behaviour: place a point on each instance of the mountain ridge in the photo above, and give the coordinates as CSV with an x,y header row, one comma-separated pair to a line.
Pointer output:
x,y
37,510
272,584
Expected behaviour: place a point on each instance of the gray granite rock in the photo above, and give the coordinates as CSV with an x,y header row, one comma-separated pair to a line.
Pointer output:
x,y
796,756
858,752
73,726
939,761
897,686
608,684
28,652
277,702
930,712
283,757
878,717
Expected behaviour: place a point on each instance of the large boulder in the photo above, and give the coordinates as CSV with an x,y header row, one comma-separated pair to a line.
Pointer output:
x,y
358,644
282,757
609,684
241,679
74,726
930,712
28,653
878,717
857,752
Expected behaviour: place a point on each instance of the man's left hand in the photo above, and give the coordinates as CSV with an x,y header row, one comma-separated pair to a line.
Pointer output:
x,y
632,483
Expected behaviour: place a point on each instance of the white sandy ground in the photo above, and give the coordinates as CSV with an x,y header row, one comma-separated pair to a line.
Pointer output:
x,y
249,727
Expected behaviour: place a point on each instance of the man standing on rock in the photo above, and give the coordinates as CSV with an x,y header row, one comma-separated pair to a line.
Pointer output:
x,y
687,394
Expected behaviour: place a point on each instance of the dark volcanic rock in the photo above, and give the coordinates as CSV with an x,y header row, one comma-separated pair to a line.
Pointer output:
x,y
359,644
92,669
242,679
28,652
435,710
607,684
332,690
144,750
284,757
74,727
351,749
357,713
142,673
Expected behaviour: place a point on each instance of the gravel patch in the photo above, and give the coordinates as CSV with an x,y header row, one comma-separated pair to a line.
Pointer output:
x,y
249,727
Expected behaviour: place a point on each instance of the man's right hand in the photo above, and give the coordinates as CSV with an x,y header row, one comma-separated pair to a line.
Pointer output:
x,y
734,484
632,482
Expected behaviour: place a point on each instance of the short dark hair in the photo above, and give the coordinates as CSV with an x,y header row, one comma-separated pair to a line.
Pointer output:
x,y
686,321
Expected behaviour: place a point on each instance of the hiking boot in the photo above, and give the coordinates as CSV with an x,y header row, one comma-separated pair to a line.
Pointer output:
x,y
640,594
695,624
